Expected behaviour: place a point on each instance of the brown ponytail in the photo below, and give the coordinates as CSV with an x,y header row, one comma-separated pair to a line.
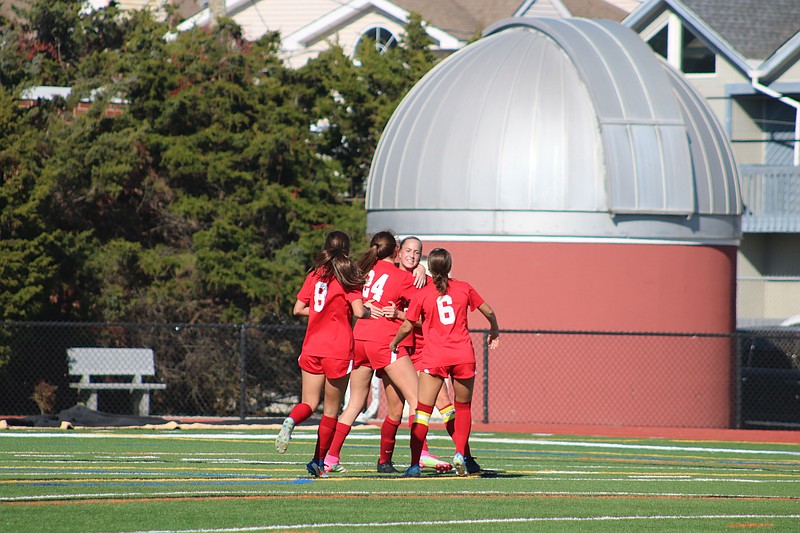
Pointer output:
x,y
382,245
439,263
334,261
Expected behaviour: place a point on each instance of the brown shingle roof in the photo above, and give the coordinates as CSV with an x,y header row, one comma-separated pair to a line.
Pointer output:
x,y
467,18
489,12
594,9
446,15
461,18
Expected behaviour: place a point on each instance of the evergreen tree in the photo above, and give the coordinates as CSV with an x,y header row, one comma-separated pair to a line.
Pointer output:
x,y
207,196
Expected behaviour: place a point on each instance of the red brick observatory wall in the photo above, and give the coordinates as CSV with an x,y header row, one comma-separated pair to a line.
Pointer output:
x,y
619,380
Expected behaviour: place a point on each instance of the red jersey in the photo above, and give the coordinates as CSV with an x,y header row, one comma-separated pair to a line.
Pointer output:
x,y
417,341
329,332
445,325
385,283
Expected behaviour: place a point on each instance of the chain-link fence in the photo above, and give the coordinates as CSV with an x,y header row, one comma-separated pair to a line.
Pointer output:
x,y
209,370
555,377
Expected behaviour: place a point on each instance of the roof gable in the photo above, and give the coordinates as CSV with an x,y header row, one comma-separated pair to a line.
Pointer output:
x,y
756,29
323,25
757,37
329,23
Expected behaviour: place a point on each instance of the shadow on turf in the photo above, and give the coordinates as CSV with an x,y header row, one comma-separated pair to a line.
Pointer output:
x,y
483,474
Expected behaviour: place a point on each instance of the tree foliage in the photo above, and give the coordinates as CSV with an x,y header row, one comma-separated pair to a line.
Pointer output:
x,y
206,197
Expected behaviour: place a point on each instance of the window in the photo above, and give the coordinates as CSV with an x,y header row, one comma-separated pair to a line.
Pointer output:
x,y
683,49
383,38
659,42
696,57
778,128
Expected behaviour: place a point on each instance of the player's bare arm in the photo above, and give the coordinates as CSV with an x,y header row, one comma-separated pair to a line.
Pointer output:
x,y
494,330
300,308
406,328
375,311
360,309
420,276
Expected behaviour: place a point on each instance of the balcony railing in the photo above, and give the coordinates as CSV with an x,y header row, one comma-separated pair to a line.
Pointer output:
x,y
771,196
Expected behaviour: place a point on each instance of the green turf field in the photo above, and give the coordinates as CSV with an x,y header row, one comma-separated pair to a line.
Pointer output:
x,y
232,480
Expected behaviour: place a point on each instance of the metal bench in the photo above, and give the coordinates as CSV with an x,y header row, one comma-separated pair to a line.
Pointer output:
x,y
130,364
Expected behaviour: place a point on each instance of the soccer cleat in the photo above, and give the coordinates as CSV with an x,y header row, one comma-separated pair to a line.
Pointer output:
x,y
284,435
335,467
315,469
412,471
387,468
430,461
472,466
459,463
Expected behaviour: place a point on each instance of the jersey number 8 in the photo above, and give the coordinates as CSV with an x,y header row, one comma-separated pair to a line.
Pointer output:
x,y
320,292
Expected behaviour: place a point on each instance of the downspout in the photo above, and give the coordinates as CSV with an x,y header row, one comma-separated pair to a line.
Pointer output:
x,y
790,102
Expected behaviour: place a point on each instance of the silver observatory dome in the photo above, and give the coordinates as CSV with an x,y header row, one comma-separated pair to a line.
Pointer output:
x,y
555,128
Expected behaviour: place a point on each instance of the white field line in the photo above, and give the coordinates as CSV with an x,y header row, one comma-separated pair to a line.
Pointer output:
x,y
351,437
312,526
581,444
294,480
334,494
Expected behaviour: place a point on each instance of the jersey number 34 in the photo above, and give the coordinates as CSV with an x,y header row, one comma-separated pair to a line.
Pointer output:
x,y
376,288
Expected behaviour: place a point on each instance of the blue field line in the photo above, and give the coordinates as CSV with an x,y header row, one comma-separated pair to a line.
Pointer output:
x,y
299,481
172,473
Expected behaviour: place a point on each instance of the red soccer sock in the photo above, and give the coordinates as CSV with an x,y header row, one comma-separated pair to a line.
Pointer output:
x,y
463,426
419,431
411,418
300,413
451,430
342,431
327,427
388,438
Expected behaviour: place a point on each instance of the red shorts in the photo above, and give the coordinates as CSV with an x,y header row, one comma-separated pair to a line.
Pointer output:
x,y
332,368
361,355
460,371
378,354
416,358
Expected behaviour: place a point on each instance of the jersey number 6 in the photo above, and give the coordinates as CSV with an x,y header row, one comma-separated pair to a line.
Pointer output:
x,y
447,315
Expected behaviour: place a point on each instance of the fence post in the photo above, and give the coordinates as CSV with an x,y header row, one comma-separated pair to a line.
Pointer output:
x,y
242,371
737,395
485,381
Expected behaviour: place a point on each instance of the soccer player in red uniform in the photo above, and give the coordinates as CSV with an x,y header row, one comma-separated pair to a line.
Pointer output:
x,y
361,376
329,297
410,256
386,287
442,306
